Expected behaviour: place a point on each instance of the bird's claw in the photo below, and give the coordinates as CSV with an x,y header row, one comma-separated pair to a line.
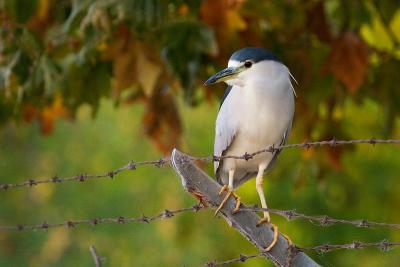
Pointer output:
x,y
290,243
275,239
237,207
223,188
263,220
230,193
276,232
266,220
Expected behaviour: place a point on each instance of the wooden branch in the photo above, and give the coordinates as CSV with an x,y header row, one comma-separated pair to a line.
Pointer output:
x,y
206,189
95,256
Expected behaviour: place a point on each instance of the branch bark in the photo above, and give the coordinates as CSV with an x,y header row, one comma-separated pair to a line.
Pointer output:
x,y
95,256
206,189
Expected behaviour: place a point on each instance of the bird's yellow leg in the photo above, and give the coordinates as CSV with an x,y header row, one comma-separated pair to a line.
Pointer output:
x,y
229,189
266,218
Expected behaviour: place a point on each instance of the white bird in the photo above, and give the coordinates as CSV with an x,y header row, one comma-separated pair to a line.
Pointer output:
x,y
256,112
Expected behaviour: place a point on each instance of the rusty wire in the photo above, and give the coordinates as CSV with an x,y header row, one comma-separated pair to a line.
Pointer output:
x,y
132,165
306,145
324,220
383,245
241,258
166,214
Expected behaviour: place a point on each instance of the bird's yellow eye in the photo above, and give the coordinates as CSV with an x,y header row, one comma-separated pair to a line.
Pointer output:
x,y
248,64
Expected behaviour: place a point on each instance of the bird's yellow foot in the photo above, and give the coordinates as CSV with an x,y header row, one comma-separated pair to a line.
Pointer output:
x,y
229,193
275,229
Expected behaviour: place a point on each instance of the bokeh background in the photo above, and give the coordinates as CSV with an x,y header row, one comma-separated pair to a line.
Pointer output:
x,y
86,86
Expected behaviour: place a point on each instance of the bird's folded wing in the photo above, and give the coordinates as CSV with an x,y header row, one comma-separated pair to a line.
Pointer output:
x,y
225,131
276,153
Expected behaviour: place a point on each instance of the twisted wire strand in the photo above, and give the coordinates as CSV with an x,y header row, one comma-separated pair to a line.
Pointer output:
x,y
383,245
322,220
166,214
132,165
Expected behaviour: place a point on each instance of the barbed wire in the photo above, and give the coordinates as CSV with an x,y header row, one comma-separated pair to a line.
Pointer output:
x,y
166,214
323,220
383,245
307,145
241,258
132,165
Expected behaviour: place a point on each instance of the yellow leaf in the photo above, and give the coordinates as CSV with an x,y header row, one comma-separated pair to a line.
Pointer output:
x,y
223,15
147,72
395,25
375,34
234,21
43,9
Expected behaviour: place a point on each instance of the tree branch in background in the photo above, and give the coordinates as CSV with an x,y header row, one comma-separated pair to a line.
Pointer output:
x,y
95,255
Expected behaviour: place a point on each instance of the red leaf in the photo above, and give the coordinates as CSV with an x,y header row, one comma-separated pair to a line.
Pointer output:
x,y
317,23
348,60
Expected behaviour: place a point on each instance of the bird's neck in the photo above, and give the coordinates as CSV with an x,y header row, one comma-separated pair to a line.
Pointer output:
x,y
264,88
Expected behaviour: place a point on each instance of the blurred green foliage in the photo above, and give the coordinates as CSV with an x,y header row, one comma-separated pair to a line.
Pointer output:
x,y
137,67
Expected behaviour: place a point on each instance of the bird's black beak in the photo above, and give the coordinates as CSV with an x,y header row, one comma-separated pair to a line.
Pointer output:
x,y
224,75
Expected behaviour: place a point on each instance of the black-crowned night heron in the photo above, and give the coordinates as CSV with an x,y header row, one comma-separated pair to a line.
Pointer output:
x,y
256,112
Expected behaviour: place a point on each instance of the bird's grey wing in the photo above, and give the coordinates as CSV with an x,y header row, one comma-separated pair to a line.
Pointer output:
x,y
226,93
277,152
225,131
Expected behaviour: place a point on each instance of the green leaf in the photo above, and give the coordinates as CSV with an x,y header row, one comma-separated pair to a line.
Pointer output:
x,y
144,14
31,43
20,10
86,82
184,45
79,8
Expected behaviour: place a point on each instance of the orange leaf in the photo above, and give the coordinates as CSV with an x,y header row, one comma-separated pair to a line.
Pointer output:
x,y
41,21
183,9
161,121
122,54
223,15
348,60
46,121
29,112
50,113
